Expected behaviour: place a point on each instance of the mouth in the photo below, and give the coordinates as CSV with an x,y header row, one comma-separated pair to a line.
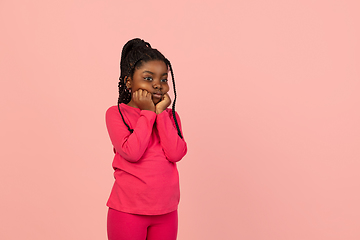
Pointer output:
x,y
157,95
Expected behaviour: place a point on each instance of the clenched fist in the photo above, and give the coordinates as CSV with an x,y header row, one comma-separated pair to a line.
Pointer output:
x,y
143,100
163,104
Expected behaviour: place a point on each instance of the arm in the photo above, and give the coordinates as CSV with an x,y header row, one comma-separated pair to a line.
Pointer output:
x,y
131,146
174,147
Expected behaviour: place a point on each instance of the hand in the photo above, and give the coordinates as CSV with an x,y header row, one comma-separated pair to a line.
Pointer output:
x,y
163,104
143,100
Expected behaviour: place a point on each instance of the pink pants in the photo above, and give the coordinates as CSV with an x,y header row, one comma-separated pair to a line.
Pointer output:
x,y
126,226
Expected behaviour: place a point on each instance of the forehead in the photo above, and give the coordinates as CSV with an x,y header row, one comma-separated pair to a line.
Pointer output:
x,y
154,66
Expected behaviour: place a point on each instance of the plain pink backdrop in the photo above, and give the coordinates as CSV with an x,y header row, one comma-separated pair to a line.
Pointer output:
x,y
268,97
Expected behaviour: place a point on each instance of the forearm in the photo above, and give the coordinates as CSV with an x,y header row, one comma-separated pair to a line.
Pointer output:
x,y
173,145
131,146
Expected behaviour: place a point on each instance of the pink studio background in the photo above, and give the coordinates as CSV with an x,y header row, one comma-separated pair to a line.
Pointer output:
x,y
269,100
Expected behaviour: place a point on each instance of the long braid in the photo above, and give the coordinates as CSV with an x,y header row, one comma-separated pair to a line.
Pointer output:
x,y
125,98
122,88
173,105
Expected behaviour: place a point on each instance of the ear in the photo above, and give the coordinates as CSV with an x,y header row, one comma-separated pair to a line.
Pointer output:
x,y
127,82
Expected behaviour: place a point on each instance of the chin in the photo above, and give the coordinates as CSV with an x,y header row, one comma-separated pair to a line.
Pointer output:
x,y
156,101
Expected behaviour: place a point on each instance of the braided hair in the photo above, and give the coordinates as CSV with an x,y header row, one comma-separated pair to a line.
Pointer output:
x,y
134,53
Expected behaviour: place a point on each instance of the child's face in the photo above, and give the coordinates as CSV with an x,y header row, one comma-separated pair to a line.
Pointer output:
x,y
151,76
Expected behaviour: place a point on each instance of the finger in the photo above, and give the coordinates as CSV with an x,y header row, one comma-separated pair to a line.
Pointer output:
x,y
136,95
148,95
145,93
167,97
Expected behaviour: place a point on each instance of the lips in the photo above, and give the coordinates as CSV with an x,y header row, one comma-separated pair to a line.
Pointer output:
x,y
157,94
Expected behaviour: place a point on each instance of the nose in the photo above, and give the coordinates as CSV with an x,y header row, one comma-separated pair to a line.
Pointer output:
x,y
157,85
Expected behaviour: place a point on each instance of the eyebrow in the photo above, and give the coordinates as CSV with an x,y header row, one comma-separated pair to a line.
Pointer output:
x,y
153,73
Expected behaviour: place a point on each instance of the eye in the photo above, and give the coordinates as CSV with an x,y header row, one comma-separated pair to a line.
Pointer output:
x,y
164,80
148,78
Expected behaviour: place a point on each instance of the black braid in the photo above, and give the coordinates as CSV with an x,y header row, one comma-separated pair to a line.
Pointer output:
x,y
122,98
134,53
173,105
125,94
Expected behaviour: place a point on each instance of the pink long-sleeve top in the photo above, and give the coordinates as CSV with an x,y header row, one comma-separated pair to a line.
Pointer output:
x,y
146,177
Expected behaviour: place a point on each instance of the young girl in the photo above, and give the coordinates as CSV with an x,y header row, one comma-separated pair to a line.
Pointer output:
x,y
148,142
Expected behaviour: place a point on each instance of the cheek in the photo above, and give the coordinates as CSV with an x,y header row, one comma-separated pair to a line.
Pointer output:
x,y
140,85
166,88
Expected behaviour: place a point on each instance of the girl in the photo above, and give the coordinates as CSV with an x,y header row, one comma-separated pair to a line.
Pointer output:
x,y
148,142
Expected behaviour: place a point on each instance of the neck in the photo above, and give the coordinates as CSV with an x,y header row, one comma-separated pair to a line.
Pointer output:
x,y
132,104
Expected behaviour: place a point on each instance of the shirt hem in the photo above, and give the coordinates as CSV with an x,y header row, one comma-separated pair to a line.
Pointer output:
x,y
143,212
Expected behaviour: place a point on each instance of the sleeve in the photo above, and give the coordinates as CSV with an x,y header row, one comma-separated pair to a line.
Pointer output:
x,y
131,146
174,147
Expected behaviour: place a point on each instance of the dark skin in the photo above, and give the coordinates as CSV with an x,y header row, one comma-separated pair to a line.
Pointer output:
x,y
149,87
